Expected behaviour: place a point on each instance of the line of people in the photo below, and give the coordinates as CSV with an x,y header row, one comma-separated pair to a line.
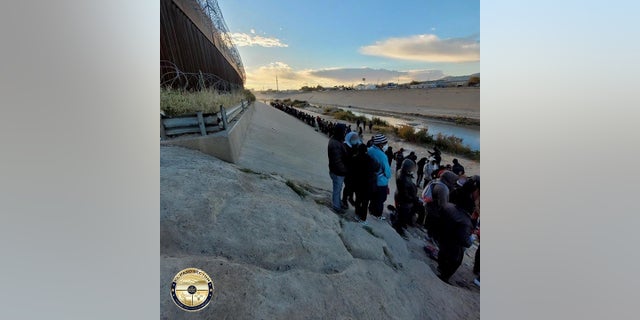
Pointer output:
x,y
447,207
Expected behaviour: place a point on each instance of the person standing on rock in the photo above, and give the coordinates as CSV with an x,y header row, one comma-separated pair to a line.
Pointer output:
x,y
351,141
405,196
420,173
437,155
389,154
383,175
337,153
365,170
399,156
457,230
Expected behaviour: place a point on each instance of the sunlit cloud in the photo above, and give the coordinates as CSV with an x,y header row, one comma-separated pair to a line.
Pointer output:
x,y
426,47
250,40
264,77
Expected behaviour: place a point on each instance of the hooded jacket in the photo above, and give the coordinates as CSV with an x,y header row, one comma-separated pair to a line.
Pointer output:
x,y
406,190
384,174
337,151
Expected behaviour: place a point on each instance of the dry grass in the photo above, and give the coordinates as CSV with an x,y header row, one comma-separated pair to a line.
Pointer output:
x,y
177,102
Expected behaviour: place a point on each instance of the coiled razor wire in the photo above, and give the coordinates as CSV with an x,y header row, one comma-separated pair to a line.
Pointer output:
x,y
172,77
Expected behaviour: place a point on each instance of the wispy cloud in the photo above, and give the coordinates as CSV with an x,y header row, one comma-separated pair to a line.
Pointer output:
x,y
250,40
426,47
288,78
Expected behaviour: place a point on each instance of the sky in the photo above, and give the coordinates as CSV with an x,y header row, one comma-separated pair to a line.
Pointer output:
x,y
331,43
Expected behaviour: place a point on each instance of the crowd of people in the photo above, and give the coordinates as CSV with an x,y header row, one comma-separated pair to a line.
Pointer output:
x,y
442,199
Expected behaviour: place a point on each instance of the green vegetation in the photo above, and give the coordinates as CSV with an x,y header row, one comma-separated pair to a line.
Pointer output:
x,y
454,144
249,96
175,102
407,133
448,143
348,116
379,122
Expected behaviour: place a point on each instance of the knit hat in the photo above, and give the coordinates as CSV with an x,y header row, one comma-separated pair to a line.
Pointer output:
x,y
379,139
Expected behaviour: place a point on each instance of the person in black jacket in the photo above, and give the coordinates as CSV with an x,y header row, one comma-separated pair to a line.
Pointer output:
x,y
365,170
457,168
420,173
399,157
437,155
406,195
337,165
389,154
456,232
351,141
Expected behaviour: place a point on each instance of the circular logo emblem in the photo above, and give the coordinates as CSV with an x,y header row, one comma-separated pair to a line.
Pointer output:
x,y
192,289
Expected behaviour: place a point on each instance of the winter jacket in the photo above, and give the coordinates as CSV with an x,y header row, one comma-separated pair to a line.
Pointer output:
x,y
384,174
457,168
365,174
337,157
456,227
406,191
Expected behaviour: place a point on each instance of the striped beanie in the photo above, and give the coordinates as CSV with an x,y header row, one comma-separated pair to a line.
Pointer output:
x,y
379,139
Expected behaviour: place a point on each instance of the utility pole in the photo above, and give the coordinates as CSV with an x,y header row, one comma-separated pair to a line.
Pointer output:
x,y
277,89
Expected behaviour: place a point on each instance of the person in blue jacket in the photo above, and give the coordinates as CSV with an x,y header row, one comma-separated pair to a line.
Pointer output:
x,y
383,175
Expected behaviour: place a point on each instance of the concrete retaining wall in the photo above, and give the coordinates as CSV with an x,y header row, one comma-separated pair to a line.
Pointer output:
x,y
225,145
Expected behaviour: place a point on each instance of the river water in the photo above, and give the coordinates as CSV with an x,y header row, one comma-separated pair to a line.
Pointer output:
x,y
470,134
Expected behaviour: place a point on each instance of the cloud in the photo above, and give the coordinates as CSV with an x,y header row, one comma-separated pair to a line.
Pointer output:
x,y
250,40
288,78
426,47
253,31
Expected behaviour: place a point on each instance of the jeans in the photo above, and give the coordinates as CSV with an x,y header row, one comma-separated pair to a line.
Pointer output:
x,y
377,201
337,190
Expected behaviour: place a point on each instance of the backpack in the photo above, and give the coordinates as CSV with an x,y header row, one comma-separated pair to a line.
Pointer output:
x,y
427,193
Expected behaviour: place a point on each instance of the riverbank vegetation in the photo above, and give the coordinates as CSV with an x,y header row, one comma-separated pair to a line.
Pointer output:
x,y
175,102
446,143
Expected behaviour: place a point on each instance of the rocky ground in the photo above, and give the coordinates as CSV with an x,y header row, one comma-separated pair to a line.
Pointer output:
x,y
274,251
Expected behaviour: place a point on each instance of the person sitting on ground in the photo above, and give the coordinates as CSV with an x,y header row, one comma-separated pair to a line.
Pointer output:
x,y
405,196
457,168
337,165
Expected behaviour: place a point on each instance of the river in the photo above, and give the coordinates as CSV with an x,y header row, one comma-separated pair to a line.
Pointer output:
x,y
470,134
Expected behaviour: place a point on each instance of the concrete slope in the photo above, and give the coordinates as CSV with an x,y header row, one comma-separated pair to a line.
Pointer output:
x,y
280,143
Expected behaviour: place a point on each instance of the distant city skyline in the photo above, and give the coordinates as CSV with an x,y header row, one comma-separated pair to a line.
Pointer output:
x,y
331,43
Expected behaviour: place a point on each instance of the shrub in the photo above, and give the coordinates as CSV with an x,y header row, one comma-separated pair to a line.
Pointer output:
x,y
248,95
407,133
175,102
454,144
379,122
